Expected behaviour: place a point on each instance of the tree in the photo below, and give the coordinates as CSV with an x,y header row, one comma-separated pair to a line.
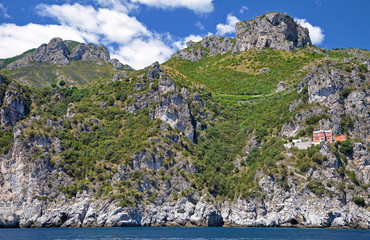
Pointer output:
x,y
346,147
62,83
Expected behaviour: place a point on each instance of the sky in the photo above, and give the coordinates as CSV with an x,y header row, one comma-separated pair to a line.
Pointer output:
x,y
140,32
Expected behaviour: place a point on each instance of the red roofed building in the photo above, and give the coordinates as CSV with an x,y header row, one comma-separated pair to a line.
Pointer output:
x,y
340,138
322,136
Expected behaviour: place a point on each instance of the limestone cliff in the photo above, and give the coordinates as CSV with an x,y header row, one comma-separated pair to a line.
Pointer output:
x,y
30,193
157,147
339,93
61,52
273,30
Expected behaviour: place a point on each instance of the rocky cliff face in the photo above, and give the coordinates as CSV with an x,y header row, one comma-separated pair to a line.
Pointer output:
x,y
293,207
13,102
76,160
57,52
29,183
29,165
209,46
172,105
339,92
272,30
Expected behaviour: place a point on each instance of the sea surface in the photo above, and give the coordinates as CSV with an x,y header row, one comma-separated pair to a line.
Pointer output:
x,y
183,233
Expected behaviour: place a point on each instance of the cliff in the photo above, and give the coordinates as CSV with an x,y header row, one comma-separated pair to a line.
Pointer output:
x,y
273,30
192,143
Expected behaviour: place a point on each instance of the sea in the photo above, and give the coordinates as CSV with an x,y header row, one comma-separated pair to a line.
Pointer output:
x,y
221,233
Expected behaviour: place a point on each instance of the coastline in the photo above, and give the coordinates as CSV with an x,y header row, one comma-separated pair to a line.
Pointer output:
x,y
84,212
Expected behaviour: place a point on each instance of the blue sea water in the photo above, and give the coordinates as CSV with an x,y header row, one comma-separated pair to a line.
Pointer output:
x,y
182,233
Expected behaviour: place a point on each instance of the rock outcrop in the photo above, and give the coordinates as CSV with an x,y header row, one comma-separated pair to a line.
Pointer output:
x,y
55,52
272,30
90,52
13,102
296,207
59,52
209,46
341,95
171,104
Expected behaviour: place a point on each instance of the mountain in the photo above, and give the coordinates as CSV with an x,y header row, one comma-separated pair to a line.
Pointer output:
x,y
68,61
200,140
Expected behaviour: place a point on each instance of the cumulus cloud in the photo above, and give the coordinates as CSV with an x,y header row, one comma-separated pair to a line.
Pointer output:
x,y
103,24
316,33
229,27
4,11
109,23
140,52
18,39
198,6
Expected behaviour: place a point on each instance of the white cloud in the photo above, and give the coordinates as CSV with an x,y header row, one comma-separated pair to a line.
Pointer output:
x,y
229,27
110,26
198,6
109,23
4,11
316,33
118,5
243,9
141,53
15,39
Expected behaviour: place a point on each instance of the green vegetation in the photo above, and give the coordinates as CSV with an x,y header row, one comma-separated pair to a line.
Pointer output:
x,y
314,119
352,176
241,119
345,147
359,201
71,45
40,74
7,61
363,68
345,92
6,141
346,124
239,74
316,187
214,155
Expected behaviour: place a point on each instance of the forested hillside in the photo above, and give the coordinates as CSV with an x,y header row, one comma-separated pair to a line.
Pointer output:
x,y
195,141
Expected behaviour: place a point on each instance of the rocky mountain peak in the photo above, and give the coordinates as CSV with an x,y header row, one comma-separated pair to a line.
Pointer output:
x,y
54,52
60,52
90,52
272,30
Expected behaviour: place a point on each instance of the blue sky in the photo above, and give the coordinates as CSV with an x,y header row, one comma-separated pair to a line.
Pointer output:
x,y
139,32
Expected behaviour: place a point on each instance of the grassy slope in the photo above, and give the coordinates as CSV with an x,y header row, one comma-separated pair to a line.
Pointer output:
x,y
5,62
239,74
77,73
